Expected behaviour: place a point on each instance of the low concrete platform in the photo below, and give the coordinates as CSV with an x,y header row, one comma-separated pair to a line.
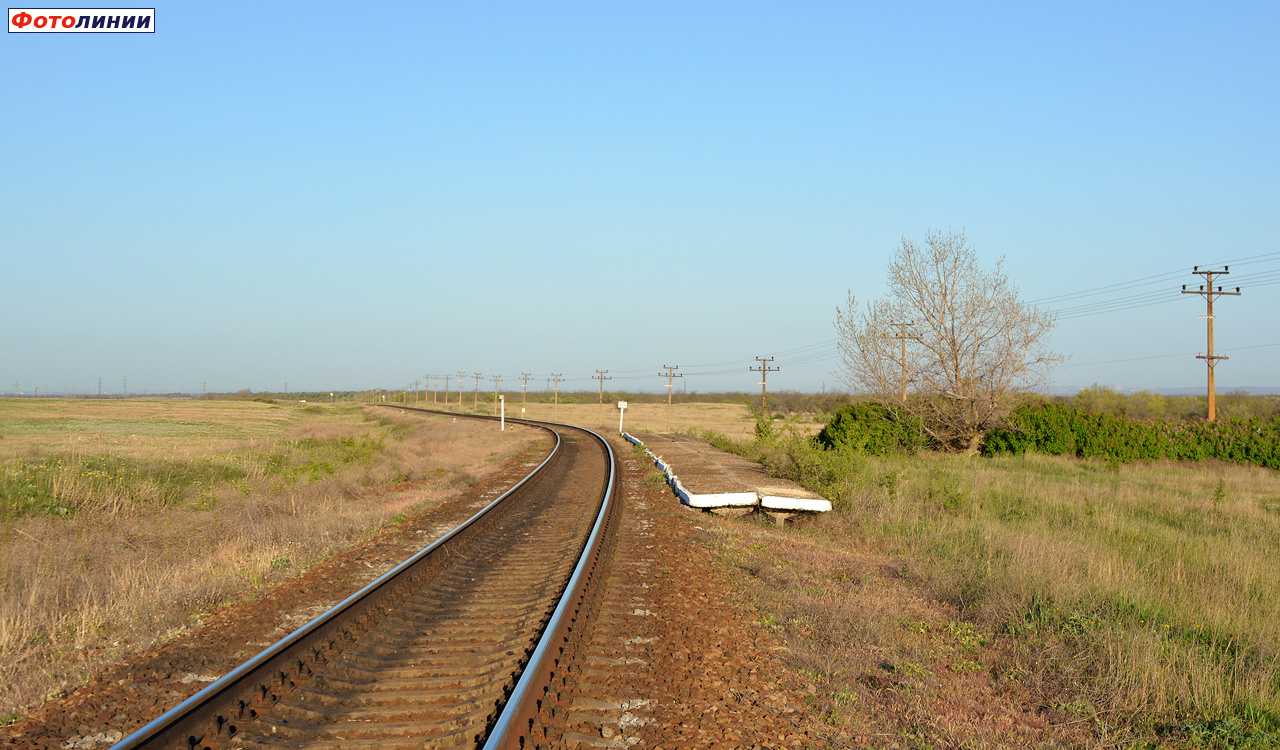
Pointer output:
x,y
705,477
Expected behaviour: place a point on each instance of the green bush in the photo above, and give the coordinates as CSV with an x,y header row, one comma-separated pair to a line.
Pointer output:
x,y
871,427
1062,429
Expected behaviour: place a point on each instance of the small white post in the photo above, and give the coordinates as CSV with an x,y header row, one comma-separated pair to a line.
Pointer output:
x,y
502,400
622,410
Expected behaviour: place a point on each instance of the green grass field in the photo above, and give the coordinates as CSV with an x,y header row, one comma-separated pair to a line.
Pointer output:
x,y
1148,591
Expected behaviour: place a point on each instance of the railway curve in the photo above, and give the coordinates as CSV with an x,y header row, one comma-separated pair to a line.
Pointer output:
x,y
470,642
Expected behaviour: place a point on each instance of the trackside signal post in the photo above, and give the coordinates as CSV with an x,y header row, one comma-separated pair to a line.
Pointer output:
x,y
1208,291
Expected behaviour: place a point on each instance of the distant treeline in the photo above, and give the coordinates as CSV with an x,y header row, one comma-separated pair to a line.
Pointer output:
x,y
1097,399
1094,399
782,403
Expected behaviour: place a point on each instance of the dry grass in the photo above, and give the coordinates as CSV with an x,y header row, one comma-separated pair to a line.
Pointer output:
x,y
888,665
135,560
1166,573
1143,598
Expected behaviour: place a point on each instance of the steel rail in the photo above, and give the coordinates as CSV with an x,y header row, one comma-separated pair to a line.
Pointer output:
x,y
217,707
535,706
536,701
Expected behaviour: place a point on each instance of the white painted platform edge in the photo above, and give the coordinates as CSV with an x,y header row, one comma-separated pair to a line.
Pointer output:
x,y
730,499
775,502
723,500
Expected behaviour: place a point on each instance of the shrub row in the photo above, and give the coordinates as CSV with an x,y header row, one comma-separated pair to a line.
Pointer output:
x,y
1061,429
871,427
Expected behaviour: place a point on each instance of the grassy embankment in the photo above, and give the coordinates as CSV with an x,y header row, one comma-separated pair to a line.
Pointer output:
x,y
1138,599
122,521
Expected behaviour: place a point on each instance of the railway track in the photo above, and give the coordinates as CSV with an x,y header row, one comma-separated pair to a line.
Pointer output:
x,y
472,642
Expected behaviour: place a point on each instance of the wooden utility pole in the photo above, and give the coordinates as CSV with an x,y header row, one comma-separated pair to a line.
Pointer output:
x,y
496,380
904,337
475,401
1208,292
461,375
555,404
600,375
525,397
446,388
764,369
670,375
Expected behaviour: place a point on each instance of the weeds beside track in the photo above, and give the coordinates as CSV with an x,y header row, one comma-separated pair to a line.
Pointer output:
x,y
1141,595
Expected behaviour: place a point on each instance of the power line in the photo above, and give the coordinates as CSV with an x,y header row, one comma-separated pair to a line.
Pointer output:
x,y
764,369
671,369
1151,280
601,375
1169,356
1149,298
904,337
1207,291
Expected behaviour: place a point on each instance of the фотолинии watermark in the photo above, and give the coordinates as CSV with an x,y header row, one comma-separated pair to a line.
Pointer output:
x,y
82,20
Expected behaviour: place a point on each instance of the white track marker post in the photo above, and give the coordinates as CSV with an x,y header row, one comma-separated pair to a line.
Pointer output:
x,y
503,420
622,410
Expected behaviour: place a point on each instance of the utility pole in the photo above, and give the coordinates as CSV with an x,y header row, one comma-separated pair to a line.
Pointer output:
x,y
446,388
600,375
415,391
555,404
496,380
670,375
525,397
904,337
764,369
1207,291
475,401
461,375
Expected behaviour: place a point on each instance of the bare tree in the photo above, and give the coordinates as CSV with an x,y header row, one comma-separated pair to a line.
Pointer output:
x,y
951,344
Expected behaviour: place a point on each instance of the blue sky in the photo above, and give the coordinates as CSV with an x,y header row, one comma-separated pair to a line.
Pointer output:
x,y
350,196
